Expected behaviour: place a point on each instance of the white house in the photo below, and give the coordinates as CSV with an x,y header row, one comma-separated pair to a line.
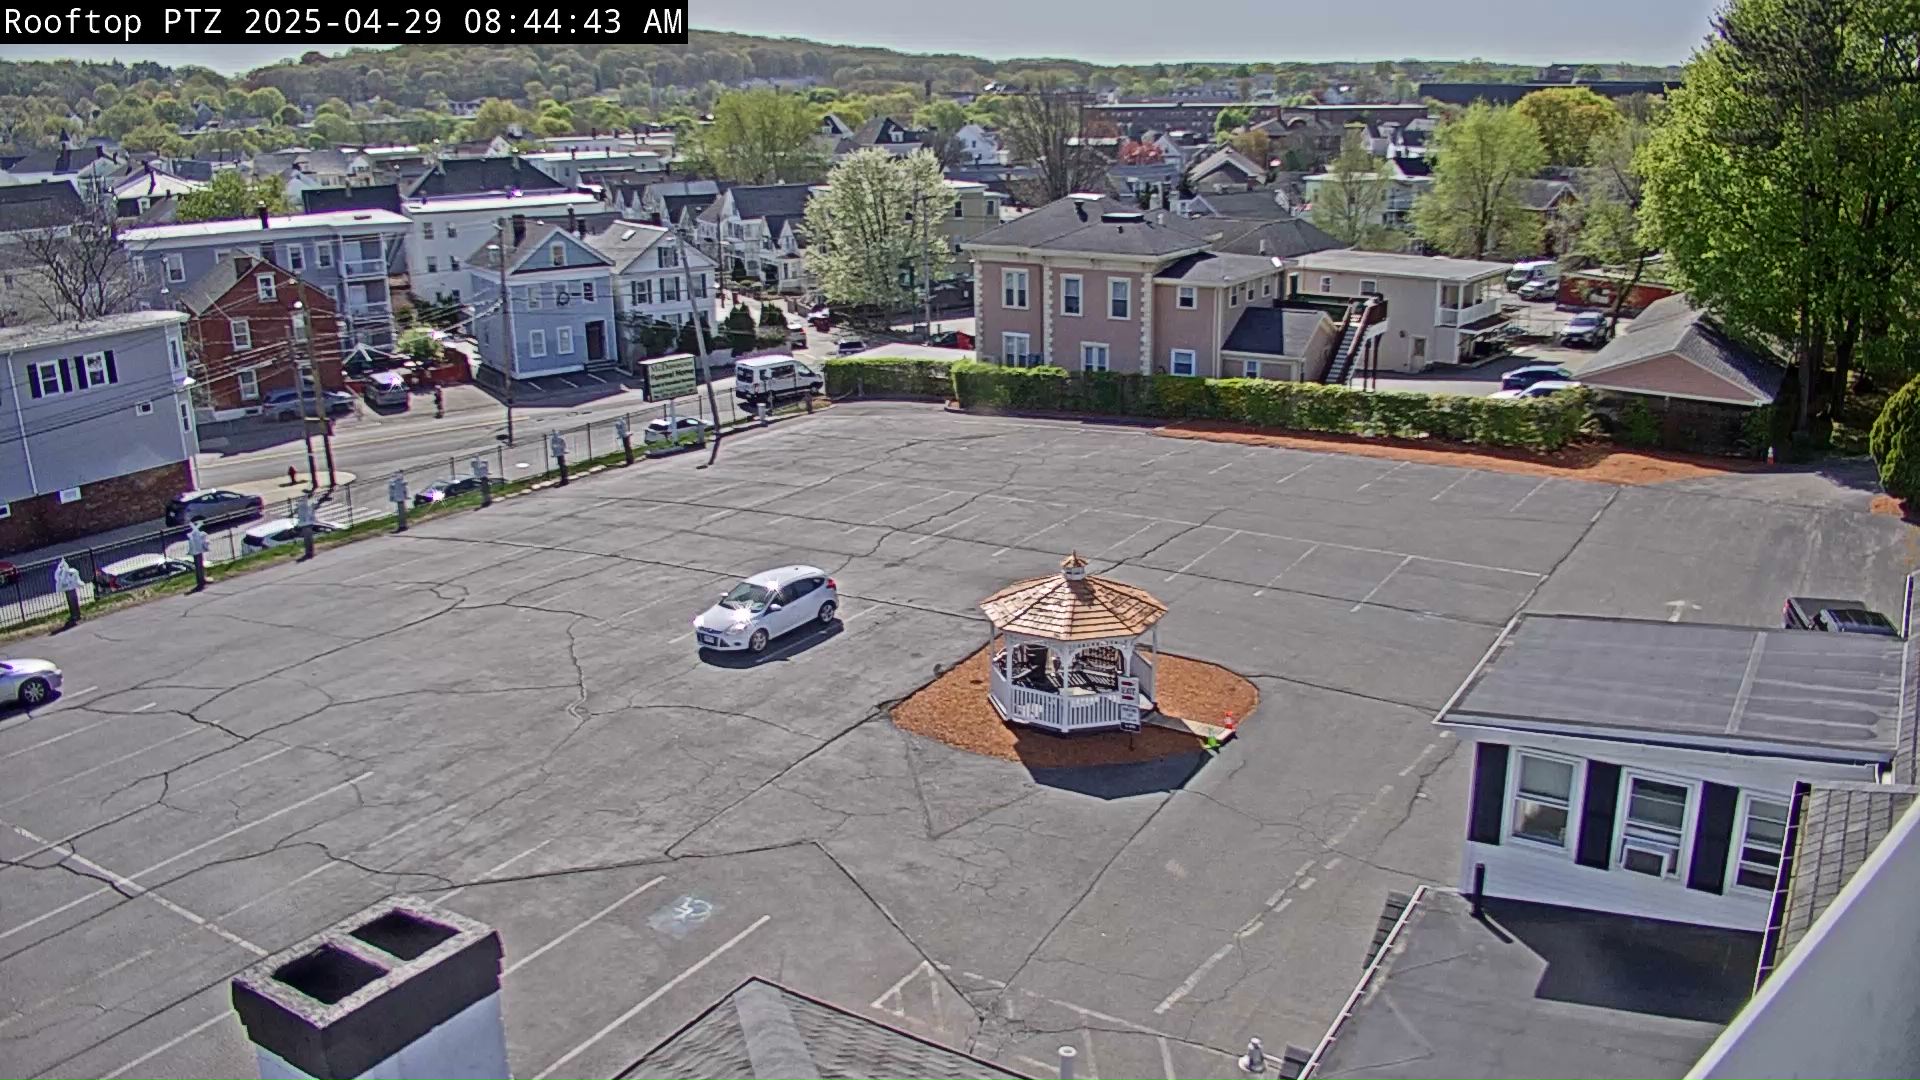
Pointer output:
x,y
979,146
649,283
445,232
755,233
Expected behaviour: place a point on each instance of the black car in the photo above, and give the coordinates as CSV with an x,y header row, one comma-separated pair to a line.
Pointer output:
x,y
445,489
1835,617
212,506
137,571
1522,377
1586,328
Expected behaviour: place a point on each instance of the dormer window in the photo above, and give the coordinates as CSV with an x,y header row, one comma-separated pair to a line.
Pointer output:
x,y
557,255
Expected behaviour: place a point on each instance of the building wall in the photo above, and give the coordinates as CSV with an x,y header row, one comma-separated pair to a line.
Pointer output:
x,y
113,503
1198,329
197,258
272,356
996,318
1524,870
1412,304
548,319
1667,374
471,230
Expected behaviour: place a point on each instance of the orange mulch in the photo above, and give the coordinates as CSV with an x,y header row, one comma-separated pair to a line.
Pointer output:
x,y
954,709
1598,462
1891,507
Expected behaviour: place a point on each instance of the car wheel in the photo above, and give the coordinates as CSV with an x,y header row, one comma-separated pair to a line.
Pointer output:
x,y
826,613
758,642
35,692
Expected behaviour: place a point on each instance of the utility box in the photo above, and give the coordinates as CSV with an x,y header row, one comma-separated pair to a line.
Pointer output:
x,y
400,990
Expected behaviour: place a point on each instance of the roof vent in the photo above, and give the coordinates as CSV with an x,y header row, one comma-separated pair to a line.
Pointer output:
x,y
1123,217
627,235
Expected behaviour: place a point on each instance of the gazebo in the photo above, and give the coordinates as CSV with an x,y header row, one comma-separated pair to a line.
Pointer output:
x,y
1065,642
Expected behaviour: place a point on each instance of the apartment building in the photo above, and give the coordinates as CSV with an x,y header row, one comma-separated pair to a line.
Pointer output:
x,y
1441,308
560,292
446,231
252,327
649,283
755,232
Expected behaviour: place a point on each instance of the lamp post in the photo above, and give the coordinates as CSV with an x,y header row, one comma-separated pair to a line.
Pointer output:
x,y
499,252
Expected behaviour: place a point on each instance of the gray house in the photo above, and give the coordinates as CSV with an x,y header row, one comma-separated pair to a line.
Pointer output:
x,y
560,300
100,427
347,254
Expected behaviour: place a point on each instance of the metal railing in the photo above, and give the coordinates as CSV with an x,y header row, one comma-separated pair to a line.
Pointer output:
x,y
363,268
377,311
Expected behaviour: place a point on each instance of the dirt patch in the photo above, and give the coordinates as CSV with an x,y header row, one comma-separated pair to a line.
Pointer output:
x,y
1599,463
1890,507
954,709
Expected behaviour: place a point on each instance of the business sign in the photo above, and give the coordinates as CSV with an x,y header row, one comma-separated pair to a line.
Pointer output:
x,y
668,376
1129,695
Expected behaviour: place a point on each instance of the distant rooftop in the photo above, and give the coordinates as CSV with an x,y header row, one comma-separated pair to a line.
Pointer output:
x,y
1387,264
532,200
38,334
349,220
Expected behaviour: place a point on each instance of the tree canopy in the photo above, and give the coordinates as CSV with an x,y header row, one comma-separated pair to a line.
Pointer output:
x,y
1476,207
1569,119
1351,202
231,195
880,220
761,137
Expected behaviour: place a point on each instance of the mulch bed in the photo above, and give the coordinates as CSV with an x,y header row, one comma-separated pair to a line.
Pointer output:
x,y
954,709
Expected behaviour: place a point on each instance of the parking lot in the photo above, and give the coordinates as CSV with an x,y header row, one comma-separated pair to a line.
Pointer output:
x,y
502,711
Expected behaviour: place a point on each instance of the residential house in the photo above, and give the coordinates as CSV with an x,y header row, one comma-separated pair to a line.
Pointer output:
x,y
834,128
572,168
365,197
1002,180
1225,170
976,209
89,170
1440,309
1147,180
497,146
664,201
650,284
445,232
1552,200
346,254
253,328
1260,204
1092,283
755,232
304,170
467,176
979,145
101,427
883,133
136,193
47,204
559,301
1406,179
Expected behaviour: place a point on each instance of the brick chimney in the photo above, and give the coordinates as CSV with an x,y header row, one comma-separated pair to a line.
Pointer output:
x,y
261,209
519,229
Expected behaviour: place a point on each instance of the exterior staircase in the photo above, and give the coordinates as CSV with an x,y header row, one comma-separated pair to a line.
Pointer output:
x,y
1345,353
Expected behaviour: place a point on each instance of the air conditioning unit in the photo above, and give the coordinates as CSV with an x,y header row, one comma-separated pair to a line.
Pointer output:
x,y
1654,858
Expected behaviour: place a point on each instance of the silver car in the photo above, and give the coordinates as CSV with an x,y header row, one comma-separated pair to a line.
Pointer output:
x,y
29,682
767,605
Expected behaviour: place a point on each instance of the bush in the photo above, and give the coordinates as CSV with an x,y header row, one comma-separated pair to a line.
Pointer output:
x,y
772,314
1895,442
1638,426
884,377
420,344
739,329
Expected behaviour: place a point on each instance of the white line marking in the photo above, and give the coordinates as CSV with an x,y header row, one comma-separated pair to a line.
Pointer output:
x,y
1307,882
224,773
1093,1071
49,742
943,529
147,706
1166,1057
1381,477
914,506
848,495
1037,533
1202,555
1418,758
736,939
894,990
1036,1063
165,1046
589,921
1193,980
1296,562
1333,862
77,693
458,889
102,765
1128,537
1295,473
1449,487
1251,454
1375,591
1529,495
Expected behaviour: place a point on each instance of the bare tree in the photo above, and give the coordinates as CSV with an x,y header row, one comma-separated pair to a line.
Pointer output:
x,y
1041,127
79,269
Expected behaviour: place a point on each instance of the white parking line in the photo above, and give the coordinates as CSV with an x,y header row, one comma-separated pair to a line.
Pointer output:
x,y
1529,495
1036,533
1166,1057
1251,454
1283,573
1449,487
1375,591
1381,477
620,1020
579,926
1193,980
913,506
1128,537
943,529
849,495
457,890
105,764
57,738
1202,555
1296,472
165,1046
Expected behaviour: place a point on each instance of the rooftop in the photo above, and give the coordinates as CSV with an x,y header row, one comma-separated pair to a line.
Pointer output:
x,y
536,200
1213,268
1672,324
1536,990
1099,224
337,220
34,336
1072,606
1833,827
1387,264
1275,331
1792,693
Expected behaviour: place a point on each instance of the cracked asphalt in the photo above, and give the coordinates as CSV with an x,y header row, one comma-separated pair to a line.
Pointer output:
x,y
502,711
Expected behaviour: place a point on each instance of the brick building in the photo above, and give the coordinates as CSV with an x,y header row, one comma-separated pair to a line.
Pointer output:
x,y
241,334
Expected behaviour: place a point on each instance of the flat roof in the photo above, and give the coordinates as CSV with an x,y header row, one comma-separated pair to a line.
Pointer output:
x,y
35,335
281,223
1537,990
1794,693
499,202
1389,264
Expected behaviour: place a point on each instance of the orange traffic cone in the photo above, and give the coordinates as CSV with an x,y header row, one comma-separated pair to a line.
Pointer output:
x,y
1231,722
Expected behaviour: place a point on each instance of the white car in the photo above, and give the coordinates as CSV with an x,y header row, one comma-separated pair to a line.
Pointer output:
x,y
271,534
767,605
29,682
664,430
1542,388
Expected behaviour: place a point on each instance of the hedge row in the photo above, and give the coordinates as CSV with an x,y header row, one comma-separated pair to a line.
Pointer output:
x,y
1536,423
886,377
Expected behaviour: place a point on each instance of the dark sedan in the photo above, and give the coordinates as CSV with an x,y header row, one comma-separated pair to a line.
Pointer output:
x,y
445,489
211,506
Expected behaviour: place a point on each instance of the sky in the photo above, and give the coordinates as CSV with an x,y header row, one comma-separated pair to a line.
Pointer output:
x,y
1145,31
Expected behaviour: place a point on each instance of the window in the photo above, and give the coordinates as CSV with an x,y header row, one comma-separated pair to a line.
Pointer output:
x,y
1419,348
1266,287
536,343
249,383
452,230
1233,296
70,495
1326,283
1013,289
296,257
1252,369
433,265
1070,294
1655,821
100,369
1181,361
669,257
533,298
1762,839
426,230
1093,356
242,333
264,285
700,285
176,269
43,378
186,418
145,408
1542,794
959,210
642,291
173,351
298,325
1187,297
1013,349
323,255
557,254
563,340
669,289
1368,286
453,263
1119,298
586,290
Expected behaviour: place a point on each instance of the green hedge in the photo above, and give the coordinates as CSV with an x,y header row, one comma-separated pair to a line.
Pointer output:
x,y
1536,423
889,377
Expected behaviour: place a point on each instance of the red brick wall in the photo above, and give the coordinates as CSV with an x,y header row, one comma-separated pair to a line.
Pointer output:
x,y
210,338
1579,291
110,504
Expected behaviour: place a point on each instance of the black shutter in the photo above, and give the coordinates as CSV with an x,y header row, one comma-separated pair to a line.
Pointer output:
x,y
1713,838
33,378
1489,792
66,376
1597,813
113,373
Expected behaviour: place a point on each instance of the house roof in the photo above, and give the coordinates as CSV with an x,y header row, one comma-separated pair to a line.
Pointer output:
x,y
1213,268
479,175
1227,158
1672,325
770,200
370,197
40,334
1833,827
764,1030
1274,331
1072,606
878,130
204,292
25,206
1259,204
347,220
55,161
1791,693
1075,224
538,234
1540,194
624,241
1289,238
1388,264
1537,990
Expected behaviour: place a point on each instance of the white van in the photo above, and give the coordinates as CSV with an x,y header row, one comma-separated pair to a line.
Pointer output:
x,y
1531,270
771,378
796,332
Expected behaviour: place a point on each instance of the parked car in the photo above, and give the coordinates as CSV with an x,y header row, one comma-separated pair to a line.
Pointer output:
x,y
1835,617
272,534
1540,289
769,378
386,388
1522,377
849,346
445,489
29,682
664,430
137,571
1530,270
211,506
821,319
1543,388
1586,328
952,339
288,404
767,605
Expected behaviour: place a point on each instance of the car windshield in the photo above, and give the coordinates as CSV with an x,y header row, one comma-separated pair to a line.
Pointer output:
x,y
747,596
1585,320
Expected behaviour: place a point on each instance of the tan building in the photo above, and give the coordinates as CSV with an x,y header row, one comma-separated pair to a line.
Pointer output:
x,y
1438,308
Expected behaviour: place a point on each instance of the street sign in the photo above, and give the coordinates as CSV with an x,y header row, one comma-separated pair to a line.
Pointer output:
x,y
668,376
1130,724
1129,695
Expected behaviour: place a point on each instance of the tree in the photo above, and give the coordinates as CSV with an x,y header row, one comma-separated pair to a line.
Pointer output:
x,y
1782,183
494,117
1569,119
772,314
1605,222
738,327
880,220
419,343
229,196
1475,208
78,269
761,137
1256,145
1894,442
1351,203
943,119
1231,118
1041,127
267,101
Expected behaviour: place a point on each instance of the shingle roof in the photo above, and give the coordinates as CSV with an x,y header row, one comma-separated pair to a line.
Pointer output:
x,y
877,132
537,234
1228,158
1074,224
1836,825
38,334
474,176
1673,325
368,197
1274,331
625,241
770,200
1288,239
766,1031
1206,267
1261,204
1542,194
1071,606
27,205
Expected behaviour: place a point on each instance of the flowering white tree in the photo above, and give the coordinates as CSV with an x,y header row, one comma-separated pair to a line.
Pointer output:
x,y
880,220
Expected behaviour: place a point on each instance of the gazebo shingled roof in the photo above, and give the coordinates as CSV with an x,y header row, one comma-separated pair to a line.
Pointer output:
x,y
1071,606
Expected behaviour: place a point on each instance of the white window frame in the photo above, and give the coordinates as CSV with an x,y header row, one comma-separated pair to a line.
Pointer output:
x,y
536,343
563,341
248,380
1266,287
1192,361
1326,283
1014,282
1737,860
94,367
1078,294
1090,349
1682,854
49,378
641,289
453,230
296,257
672,296
143,409
586,291
176,268
1120,296
533,298
265,286
426,230
323,254
1576,778
297,328
433,264
1233,296
669,257
1368,286
1007,351
1418,350
1249,369
69,495
453,262
1186,298
242,333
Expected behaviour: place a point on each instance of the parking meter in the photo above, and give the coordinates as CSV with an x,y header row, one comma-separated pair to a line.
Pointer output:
x,y
480,473
559,447
397,495
197,547
626,438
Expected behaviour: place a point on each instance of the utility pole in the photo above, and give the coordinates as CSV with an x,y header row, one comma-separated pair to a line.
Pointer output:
x,y
699,339
926,270
506,322
300,374
305,342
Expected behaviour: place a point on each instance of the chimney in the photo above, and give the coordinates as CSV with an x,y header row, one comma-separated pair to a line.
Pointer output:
x,y
401,989
573,222
261,209
99,151
519,229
